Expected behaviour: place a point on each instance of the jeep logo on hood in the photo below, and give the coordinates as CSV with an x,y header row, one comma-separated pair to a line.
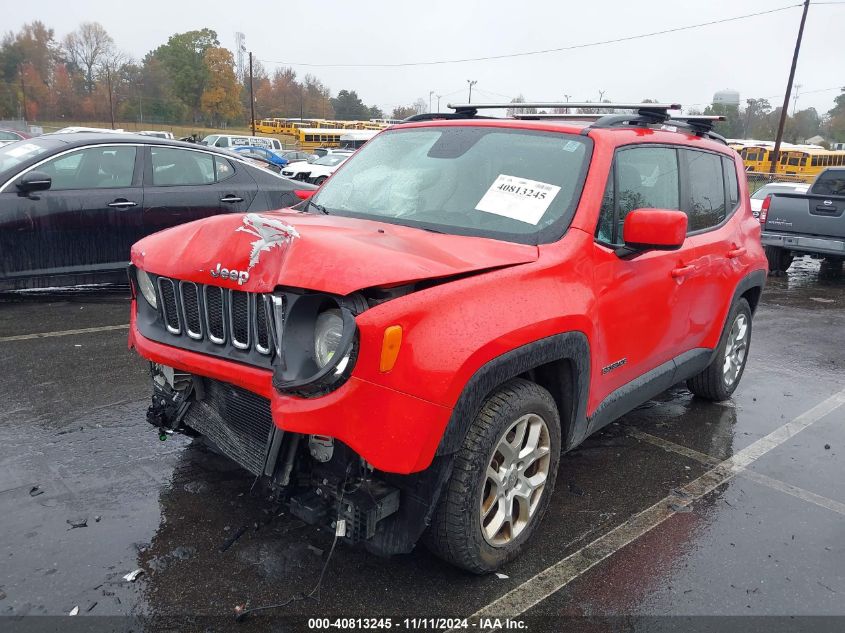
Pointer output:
x,y
241,276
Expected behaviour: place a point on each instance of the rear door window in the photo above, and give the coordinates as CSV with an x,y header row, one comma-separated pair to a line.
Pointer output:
x,y
173,166
705,204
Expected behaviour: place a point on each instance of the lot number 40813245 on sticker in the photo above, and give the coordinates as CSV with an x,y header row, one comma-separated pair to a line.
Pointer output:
x,y
518,198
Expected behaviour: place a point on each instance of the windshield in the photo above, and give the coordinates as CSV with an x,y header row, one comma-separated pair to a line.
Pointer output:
x,y
14,154
517,185
330,160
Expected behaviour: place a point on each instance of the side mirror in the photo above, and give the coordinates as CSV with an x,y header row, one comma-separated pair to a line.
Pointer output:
x,y
654,229
34,181
311,158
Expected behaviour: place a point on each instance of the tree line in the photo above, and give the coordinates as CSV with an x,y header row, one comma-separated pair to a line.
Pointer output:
x,y
189,79
192,79
757,120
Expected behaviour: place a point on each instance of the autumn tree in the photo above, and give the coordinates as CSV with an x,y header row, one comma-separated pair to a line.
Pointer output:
x,y
403,112
220,101
88,48
183,57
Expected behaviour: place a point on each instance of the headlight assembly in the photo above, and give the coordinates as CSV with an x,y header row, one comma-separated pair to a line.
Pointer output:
x,y
327,334
146,286
319,345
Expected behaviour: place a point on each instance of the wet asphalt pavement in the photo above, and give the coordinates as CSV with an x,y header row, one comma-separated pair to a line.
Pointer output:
x,y
88,493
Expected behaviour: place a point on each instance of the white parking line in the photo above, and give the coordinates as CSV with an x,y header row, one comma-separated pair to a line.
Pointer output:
x,y
85,330
771,482
552,579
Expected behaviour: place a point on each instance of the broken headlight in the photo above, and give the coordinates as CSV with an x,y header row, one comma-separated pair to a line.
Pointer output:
x,y
146,286
319,344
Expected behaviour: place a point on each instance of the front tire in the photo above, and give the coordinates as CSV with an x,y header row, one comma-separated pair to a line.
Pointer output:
x,y
502,480
319,181
779,259
719,380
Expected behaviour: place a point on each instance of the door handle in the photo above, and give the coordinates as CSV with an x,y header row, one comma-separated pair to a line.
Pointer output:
x,y
122,204
682,271
737,252
231,198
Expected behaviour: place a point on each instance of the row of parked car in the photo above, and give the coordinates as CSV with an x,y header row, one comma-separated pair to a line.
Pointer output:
x,y
72,204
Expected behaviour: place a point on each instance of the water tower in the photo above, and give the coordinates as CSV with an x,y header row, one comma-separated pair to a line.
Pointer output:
x,y
727,97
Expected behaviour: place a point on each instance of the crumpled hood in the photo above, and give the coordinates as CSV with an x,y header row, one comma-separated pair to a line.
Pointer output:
x,y
316,252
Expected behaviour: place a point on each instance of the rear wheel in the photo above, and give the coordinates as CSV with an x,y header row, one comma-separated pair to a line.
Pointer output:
x,y
319,181
779,259
502,480
721,377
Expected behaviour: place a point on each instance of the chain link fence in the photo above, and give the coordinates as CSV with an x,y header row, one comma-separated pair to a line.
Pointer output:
x,y
757,179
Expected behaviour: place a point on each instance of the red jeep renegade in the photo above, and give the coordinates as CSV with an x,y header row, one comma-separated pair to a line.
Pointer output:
x,y
409,353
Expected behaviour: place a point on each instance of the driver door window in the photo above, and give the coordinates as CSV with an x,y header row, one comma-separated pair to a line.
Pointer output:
x,y
92,168
642,177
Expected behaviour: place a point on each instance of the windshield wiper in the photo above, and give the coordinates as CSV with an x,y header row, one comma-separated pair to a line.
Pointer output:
x,y
319,207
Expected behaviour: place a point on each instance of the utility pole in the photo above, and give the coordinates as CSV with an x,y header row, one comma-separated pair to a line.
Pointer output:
x,y
430,94
23,90
251,97
111,103
783,110
140,87
471,83
438,102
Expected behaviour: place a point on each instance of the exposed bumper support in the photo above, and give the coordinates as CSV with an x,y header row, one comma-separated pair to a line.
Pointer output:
x,y
393,431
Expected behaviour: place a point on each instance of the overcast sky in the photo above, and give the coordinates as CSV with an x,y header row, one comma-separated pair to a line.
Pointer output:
x,y
750,55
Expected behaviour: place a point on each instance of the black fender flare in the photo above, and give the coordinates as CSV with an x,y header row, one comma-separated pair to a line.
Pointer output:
x,y
570,346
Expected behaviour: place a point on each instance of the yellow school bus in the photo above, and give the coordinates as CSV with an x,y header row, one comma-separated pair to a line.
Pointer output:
x,y
267,126
806,164
309,139
756,158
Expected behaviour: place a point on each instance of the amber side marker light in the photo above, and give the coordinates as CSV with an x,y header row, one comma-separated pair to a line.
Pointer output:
x,y
390,347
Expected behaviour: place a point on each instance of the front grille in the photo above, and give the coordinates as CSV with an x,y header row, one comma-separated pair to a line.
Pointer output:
x,y
230,323
167,290
191,308
238,421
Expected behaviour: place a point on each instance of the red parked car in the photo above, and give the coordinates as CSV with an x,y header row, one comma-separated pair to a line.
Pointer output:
x,y
10,136
412,351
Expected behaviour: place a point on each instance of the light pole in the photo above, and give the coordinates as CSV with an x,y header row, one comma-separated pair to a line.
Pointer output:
x,y
567,101
430,94
438,102
471,83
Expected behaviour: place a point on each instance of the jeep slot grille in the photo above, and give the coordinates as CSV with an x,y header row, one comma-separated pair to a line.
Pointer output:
x,y
167,290
191,308
241,321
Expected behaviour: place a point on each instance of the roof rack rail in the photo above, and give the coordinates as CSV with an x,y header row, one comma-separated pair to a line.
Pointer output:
x,y
575,116
645,112
460,107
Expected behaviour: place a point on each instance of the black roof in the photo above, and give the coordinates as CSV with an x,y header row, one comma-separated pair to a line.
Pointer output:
x,y
76,139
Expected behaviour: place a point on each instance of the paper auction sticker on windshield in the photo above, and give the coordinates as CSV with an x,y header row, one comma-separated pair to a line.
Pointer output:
x,y
518,198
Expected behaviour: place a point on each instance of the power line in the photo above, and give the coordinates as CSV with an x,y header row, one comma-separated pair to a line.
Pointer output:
x,y
542,51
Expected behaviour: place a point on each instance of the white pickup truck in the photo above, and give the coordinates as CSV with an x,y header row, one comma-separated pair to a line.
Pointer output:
x,y
811,223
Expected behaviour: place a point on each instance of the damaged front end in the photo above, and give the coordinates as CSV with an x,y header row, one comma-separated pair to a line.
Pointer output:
x,y
322,481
